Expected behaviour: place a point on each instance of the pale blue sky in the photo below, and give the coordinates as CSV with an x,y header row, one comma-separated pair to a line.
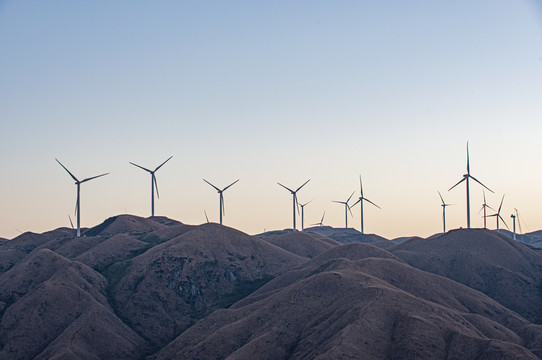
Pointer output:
x,y
269,91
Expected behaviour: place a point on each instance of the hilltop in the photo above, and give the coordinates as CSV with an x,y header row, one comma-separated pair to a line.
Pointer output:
x,y
157,288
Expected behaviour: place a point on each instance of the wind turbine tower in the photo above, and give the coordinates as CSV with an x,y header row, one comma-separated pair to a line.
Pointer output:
x,y
361,200
294,197
303,214
346,209
221,197
78,203
154,184
466,178
443,213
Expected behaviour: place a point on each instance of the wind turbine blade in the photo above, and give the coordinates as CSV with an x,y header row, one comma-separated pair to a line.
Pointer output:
x,y
230,185
473,178
360,186
156,186
141,167
350,197
307,203
457,183
468,166
73,177
290,190
76,206
71,223
370,202
500,206
222,203
94,177
519,221
206,218
348,207
217,189
305,183
359,200
441,199
500,217
159,166
338,202
296,203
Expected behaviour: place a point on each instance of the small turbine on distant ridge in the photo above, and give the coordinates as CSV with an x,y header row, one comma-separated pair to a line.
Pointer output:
x,y
346,209
303,214
484,207
361,200
466,178
443,212
221,197
78,203
498,215
154,184
321,223
294,198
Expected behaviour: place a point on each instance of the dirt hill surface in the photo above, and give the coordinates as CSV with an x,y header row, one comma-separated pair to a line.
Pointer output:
x,y
166,289
501,268
305,244
348,236
370,308
145,288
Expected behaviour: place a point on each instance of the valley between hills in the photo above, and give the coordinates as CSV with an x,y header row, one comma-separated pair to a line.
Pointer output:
x,y
155,289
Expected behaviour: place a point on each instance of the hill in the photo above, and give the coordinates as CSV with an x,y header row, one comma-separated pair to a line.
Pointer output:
x,y
305,244
501,268
134,288
336,306
348,236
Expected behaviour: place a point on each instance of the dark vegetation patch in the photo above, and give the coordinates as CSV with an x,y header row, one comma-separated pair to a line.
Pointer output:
x,y
241,290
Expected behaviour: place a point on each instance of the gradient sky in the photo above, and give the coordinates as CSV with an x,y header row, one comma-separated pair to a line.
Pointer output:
x,y
269,91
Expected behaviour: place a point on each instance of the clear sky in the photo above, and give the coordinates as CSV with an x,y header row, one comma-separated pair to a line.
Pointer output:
x,y
269,91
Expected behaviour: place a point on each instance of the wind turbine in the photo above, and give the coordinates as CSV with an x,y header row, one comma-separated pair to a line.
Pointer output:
x,y
466,178
321,223
498,215
484,206
294,197
303,214
514,221
221,197
443,212
346,209
78,203
154,185
360,201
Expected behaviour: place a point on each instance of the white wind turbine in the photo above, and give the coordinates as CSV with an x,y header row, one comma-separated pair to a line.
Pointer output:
x,y
346,209
78,203
303,214
498,215
361,200
466,178
484,207
294,197
443,212
221,197
321,223
154,184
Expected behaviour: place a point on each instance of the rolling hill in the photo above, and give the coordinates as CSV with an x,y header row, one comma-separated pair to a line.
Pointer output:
x,y
155,288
